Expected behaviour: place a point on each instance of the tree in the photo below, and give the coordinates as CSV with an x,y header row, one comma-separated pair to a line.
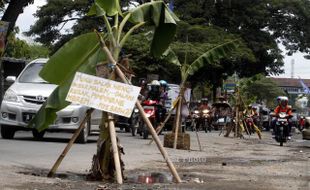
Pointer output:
x,y
85,51
11,13
261,24
260,89
18,48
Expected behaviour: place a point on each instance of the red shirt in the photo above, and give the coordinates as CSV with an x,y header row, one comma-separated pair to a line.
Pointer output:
x,y
280,109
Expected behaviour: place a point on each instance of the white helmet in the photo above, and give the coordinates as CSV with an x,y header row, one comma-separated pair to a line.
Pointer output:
x,y
155,83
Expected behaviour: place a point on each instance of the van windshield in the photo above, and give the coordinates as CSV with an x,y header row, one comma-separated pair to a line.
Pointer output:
x,y
31,74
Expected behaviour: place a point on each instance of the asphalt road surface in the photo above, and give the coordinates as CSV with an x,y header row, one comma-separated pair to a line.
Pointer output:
x,y
224,163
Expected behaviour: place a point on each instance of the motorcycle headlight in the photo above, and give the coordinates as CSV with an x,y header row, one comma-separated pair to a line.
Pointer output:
x,y
196,112
205,111
136,110
11,96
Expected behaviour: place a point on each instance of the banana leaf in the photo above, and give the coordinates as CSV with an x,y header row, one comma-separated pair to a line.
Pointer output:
x,y
212,56
157,14
79,54
102,7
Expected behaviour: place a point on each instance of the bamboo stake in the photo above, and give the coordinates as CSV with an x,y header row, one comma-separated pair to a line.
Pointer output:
x,y
177,124
237,121
70,143
115,150
146,120
153,132
198,138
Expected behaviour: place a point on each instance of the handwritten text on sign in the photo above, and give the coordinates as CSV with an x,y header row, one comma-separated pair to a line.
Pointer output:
x,y
103,94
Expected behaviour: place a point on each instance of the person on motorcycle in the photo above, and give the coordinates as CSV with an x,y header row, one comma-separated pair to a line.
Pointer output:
x,y
252,113
203,106
154,93
282,107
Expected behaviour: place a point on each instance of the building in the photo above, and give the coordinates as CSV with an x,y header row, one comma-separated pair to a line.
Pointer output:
x,y
294,91
291,85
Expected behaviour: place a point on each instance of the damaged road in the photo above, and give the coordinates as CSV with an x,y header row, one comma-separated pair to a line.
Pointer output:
x,y
224,163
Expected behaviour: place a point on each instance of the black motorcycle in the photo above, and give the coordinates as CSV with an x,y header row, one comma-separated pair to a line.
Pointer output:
x,y
282,128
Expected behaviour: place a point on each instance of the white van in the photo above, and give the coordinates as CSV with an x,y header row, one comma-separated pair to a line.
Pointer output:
x,y
24,98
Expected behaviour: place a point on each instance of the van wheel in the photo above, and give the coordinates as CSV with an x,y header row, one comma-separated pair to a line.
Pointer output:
x,y
38,135
7,132
83,136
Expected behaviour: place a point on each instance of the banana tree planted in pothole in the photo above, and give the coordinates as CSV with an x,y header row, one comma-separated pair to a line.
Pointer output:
x,y
85,52
210,57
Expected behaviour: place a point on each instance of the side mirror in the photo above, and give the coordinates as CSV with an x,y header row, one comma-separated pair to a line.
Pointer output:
x,y
11,79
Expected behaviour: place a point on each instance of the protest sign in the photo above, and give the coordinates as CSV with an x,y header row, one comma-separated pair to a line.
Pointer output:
x,y
99,93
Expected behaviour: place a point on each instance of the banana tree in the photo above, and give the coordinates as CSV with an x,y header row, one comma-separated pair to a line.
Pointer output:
x,y
86,51
211,57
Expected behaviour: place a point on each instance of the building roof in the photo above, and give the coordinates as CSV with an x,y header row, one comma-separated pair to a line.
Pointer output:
x,y
290,82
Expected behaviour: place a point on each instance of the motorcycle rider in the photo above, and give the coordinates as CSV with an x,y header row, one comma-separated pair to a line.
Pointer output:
x,y
282,107
203,106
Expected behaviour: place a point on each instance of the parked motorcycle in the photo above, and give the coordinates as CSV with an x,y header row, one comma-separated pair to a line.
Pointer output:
x,y
282,128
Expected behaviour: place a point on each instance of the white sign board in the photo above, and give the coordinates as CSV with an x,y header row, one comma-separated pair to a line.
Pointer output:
x,y
103,94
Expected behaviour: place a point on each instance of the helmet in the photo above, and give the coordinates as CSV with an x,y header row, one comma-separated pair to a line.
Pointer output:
x,y
155,83
282,100
163,83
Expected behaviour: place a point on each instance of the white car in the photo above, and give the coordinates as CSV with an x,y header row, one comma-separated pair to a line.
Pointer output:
x,y
24,98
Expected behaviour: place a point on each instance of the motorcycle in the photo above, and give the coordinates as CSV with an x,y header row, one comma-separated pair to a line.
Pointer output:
x,y
282,128
195,116
150,108
205,115
301,123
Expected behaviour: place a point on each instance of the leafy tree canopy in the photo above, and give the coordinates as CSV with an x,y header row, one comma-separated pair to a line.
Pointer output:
x,y
260,89
260,25
18,48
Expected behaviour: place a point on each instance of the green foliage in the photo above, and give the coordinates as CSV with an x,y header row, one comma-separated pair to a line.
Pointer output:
x,y
84,52
258,89
18,48
261,24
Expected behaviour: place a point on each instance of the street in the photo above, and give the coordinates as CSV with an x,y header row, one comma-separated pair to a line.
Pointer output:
x,y
224,163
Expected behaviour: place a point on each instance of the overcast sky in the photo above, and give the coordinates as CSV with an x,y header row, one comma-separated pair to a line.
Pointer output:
x,y
301,66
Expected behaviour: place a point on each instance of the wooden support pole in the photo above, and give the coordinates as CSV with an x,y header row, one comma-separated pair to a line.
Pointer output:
x,y
70,143
153,132
141,110
177,123
115,150
198,138
237,121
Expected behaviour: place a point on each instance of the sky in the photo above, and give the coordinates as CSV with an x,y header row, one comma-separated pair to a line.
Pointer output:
x,y
301,66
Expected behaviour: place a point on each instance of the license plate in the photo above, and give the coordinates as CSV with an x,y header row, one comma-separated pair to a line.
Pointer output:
x,y
281,119
221,120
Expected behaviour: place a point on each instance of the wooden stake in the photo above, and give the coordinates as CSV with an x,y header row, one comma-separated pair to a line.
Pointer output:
x,y
153,132
115,150
70,143
177,124
198,138
146,120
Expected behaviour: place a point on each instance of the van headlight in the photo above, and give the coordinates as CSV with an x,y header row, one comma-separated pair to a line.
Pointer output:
x,y
11,96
